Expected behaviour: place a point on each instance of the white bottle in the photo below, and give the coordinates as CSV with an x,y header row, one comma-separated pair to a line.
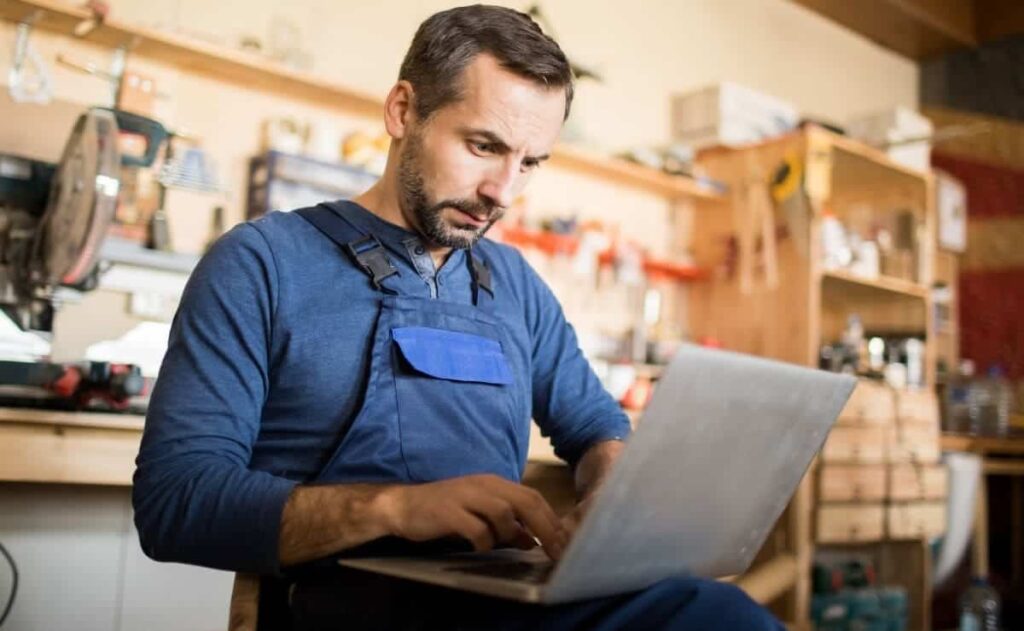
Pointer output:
x,y
835,247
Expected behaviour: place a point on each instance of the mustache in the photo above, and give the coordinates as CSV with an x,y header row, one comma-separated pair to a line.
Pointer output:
x,y
469,207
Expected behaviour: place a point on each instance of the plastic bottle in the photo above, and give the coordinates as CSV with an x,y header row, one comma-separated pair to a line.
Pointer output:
x,y
979,607
979,406
998,420
957,417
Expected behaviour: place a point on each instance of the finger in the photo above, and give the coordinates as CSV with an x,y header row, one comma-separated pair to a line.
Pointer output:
x,y
499,516
536,514
473,529
524,540
532,510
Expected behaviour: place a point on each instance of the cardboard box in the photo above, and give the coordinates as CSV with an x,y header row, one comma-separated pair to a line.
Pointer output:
x,y
729,114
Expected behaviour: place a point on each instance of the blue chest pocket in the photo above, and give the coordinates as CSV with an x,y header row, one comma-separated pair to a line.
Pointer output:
x,y
453,355
455,403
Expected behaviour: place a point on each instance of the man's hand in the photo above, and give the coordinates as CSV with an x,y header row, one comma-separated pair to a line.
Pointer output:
x,y
591,471
486,510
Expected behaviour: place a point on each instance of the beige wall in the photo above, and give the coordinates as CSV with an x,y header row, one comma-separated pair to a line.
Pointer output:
x,y
646,49
646,52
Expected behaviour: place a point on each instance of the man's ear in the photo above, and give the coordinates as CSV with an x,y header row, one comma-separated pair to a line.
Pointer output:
x,y
399,109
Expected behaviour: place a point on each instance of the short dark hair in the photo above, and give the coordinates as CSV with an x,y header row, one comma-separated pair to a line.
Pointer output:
x,y
447,42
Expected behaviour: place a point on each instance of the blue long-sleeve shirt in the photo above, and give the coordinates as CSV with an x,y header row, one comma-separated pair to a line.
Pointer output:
x,y
269,356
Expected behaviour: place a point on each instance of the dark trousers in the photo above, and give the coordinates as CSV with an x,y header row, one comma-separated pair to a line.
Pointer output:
x,y
350,600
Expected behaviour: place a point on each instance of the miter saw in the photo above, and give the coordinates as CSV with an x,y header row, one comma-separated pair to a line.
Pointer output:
x,y
53,220
54,217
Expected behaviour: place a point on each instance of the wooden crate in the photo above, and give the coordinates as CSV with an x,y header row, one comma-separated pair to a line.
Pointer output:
x,y
852,483
863,445
914,443
917,407
909,482
850,523
871,403
915,520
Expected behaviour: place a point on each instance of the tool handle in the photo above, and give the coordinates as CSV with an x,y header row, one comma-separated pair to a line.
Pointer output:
x,y
154,133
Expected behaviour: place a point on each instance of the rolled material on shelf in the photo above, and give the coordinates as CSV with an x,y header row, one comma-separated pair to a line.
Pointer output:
x,y
964,476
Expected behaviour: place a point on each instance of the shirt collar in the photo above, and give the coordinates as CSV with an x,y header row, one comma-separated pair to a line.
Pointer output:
x,y
395,237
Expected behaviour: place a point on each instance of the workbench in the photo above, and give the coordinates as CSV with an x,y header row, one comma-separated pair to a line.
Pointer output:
x,y
68,447
1002,457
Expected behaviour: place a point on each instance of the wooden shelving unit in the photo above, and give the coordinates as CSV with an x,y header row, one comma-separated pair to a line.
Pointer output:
x,y
788,315
253,71
881,286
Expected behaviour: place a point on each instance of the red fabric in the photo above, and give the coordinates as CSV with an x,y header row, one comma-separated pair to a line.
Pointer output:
x,y
992,191
992,319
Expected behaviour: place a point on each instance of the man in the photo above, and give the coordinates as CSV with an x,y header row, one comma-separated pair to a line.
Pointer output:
x,y
366,371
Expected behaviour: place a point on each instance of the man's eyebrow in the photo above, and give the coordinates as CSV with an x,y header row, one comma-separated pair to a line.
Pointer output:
x,y
498,141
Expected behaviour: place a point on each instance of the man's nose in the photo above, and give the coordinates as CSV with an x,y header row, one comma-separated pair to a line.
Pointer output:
x,y
499,186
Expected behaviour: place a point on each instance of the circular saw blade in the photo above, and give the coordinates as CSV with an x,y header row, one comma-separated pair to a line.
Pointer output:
x,y
81,205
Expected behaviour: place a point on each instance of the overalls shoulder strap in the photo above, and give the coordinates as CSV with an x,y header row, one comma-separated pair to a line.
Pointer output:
x,y
480,273
364,249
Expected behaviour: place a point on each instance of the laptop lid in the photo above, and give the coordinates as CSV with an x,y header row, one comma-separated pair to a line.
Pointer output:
x,y
715,459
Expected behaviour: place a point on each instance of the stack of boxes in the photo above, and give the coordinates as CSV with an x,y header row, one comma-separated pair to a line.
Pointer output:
x,y
880,476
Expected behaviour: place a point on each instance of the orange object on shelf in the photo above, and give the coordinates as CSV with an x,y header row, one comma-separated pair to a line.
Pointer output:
x,y
552,243
548,242
638,395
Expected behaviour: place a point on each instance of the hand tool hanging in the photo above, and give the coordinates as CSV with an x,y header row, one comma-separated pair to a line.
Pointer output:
x,y
28,80
754,213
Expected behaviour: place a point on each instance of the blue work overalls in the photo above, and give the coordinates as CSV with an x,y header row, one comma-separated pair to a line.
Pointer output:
x,y
443,373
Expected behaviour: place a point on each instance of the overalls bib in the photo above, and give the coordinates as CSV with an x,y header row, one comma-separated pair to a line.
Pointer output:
x,y
444,397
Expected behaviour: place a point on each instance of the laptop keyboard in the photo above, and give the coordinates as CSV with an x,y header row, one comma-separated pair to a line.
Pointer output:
x,y
508,570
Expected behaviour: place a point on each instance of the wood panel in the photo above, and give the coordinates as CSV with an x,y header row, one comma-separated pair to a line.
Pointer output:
x,y
33,452
852,483
856,445
916,520
918,29
872,403
850,523
998,18
917,482
997,141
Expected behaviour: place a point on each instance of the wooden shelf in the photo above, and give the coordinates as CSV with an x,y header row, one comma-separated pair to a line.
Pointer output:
x,y
630,174
881,285
984,445
255,71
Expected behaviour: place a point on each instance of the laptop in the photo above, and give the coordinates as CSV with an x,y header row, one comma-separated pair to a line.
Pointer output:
x,y
713,463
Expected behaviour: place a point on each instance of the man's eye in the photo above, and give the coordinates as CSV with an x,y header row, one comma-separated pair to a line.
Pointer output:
x,y
530,165
483,147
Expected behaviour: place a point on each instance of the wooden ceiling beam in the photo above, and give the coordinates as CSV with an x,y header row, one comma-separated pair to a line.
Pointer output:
x,y
919,29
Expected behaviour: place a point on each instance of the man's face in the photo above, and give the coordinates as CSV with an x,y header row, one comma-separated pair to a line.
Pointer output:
x,y
462,169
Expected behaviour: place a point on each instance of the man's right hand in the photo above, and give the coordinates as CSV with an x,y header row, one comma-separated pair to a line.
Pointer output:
x,y
486,510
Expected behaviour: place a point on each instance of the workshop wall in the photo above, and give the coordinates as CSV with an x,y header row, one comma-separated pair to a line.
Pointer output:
x,y
645,54
645,51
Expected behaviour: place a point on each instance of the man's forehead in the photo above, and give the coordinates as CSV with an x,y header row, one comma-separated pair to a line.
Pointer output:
x,y
519,110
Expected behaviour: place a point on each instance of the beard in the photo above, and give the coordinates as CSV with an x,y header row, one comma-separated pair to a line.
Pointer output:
x,y
428,215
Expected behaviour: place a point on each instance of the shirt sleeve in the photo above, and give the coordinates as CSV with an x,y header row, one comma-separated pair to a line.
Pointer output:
x,y
195,499
569,403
